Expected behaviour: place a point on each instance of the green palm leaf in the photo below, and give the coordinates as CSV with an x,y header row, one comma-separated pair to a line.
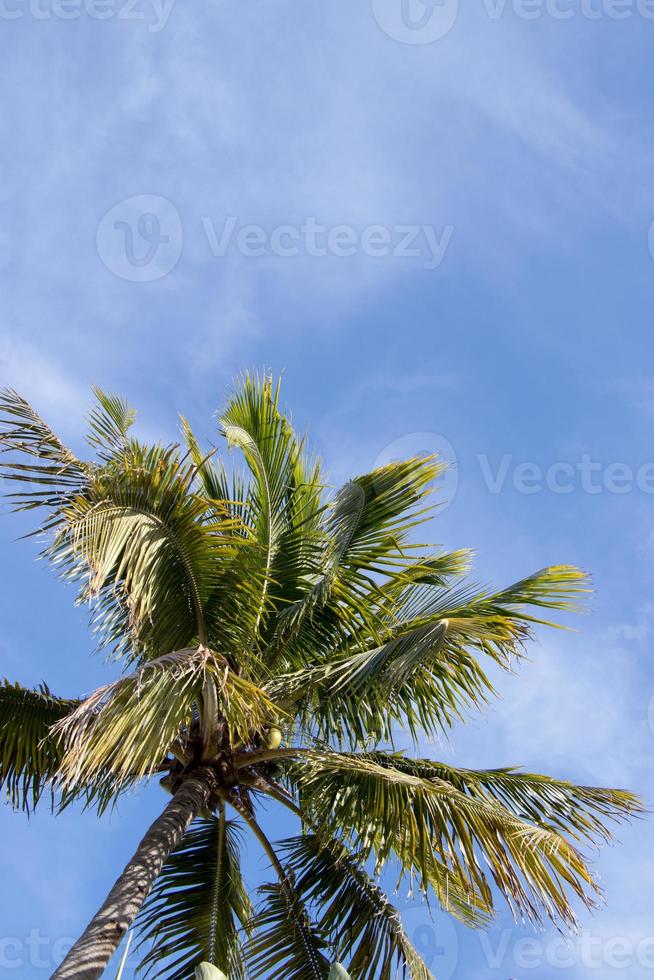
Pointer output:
x,y
374,514
365,531
198,906
393,811
283,502
284,942
427,673
143,538
47,472
353,911
583,812
109,424
126,728
30,756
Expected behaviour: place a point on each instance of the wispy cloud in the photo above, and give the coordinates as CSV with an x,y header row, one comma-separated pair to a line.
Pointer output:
x,y
49,384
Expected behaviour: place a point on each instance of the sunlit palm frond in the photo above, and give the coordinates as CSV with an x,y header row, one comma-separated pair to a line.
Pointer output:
x,y
127,727
374,514
398,814
232,611
407,682
253,423
429,671
366,534
498,622
47,472
284,495
109,424
210,475
198,906
585,813
142,542
247,709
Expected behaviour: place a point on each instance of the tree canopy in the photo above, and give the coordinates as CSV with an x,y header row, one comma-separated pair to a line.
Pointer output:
x,y
288,637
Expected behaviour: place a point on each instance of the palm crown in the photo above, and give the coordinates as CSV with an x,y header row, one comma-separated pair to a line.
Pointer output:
x,y
275,640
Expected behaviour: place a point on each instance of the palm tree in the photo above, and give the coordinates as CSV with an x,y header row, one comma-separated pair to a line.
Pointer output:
x,y
275,641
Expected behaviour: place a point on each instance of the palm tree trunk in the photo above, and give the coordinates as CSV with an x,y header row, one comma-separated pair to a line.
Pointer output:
x,y
91,953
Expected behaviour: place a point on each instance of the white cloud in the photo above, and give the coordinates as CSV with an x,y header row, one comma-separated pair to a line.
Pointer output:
x,y
202,114
579,710
49,385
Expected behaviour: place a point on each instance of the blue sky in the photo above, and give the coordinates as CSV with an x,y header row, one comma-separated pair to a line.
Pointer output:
x,y
515,152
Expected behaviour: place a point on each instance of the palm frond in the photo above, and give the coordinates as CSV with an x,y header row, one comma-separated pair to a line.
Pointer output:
x,y
198,906
407,681
395,813
253,423
47,472
585,813
127,727
362,925
558,587
283,501
428,672
366,534
284,942
109,425
29,754
141,543
211,476
373,514
248,709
